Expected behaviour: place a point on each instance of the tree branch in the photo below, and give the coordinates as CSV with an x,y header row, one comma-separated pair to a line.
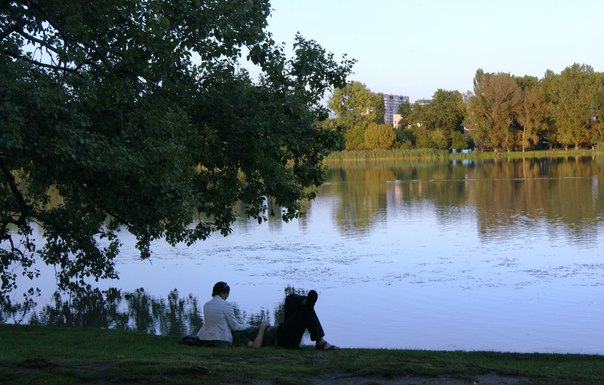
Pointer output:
x,y
39,41
11,29
40,64
66,36
24,208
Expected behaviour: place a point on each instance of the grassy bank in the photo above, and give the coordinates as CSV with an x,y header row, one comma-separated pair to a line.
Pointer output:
x,y
356,157
44,355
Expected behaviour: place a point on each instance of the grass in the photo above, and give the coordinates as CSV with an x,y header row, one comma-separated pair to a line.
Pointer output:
x,y
47,355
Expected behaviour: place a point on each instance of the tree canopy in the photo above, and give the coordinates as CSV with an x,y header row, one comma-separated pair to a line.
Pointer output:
x,y
356,107
572,104
136,115
437,123
495,101
509,112
531,113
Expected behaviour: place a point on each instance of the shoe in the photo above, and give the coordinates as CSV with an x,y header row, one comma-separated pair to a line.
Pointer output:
x,y
325,346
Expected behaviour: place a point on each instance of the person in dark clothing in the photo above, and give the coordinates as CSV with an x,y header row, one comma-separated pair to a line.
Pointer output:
x,y
300,316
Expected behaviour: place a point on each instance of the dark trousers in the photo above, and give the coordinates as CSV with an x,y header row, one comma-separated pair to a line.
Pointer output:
x,y
298,318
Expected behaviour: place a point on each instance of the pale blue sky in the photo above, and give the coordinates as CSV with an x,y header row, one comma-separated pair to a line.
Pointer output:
x,y
415,47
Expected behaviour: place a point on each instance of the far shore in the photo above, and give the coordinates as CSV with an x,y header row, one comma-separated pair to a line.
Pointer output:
x,y
346,157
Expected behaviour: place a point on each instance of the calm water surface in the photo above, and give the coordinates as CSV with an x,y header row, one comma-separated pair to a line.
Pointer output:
x,y
496,255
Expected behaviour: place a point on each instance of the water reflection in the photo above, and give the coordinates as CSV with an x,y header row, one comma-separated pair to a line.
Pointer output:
x,y
502,193
136,311
560,192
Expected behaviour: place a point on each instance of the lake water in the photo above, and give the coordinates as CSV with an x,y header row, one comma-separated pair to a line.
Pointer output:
x,y
496,255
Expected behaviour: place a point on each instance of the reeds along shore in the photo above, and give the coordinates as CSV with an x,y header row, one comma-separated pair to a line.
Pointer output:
x,y
346,157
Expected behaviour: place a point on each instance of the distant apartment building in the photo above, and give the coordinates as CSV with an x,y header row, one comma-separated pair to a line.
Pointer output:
x,y
396,118
392,103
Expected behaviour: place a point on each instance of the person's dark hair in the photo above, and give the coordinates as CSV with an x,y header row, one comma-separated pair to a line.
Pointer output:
x,y
219,287
311,299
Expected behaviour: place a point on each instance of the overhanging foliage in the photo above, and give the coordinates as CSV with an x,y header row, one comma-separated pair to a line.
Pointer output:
x,y
137,115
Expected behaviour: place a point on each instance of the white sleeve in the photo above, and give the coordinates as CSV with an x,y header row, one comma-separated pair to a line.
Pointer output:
x,y
233,322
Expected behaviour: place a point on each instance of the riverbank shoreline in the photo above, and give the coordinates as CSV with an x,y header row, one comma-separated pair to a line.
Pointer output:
x,y
430,155
39,354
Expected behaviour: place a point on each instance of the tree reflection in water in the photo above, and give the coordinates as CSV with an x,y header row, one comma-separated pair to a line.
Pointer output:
x,y
136,311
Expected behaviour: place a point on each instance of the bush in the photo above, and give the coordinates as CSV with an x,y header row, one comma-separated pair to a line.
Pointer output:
x,y
379,136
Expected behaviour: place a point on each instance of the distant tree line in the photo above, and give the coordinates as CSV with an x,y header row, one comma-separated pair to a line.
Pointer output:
x,y
504,113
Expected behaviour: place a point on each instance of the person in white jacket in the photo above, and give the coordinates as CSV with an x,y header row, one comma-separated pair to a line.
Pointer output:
x,y
220,321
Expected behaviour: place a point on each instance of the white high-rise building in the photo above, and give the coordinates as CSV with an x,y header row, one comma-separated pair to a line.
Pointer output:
x,y
392,103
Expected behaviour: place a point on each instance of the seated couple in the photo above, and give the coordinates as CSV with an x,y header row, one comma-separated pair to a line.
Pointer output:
x,y
220,323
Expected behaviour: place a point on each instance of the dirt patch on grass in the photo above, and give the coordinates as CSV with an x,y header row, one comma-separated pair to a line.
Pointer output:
x,y
36,363
188,371
351,379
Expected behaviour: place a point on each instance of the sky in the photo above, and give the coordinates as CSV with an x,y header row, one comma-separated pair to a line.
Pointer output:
x,y
414,48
